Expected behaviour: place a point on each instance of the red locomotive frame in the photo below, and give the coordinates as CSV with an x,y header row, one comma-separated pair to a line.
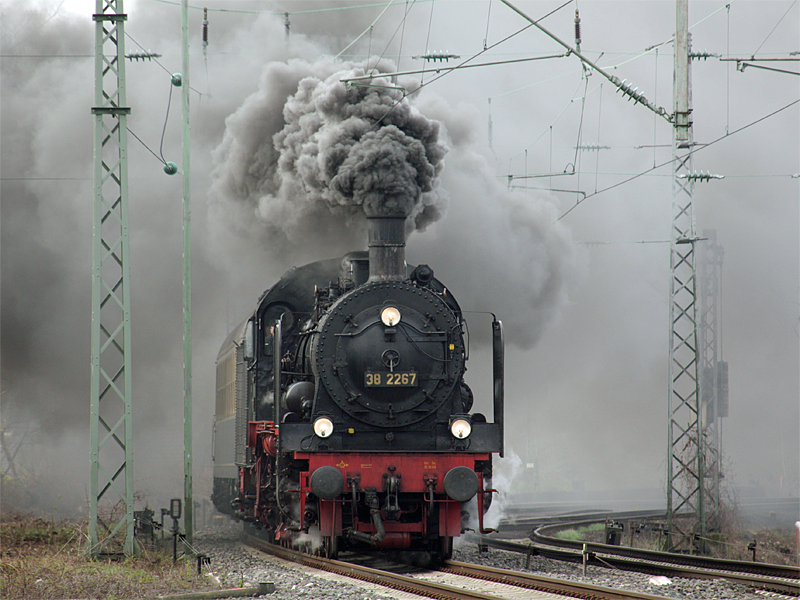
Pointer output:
x,y
421,474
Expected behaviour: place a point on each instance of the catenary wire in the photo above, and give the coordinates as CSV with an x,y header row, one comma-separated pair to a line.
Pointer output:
x,y
727,135
774,28
282,13
471,58
599,123
633,57
164,130
141,141
363,32
403,32
398,28
558,117
427,42
728,75
488,18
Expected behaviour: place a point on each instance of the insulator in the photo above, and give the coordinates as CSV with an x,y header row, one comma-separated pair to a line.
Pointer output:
x,y
577,28
700,176
633,93
205,27
705,54
143,55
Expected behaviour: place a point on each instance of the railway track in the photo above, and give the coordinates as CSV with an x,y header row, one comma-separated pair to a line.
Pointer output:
x,y
779,579
522,523
545,536
458,581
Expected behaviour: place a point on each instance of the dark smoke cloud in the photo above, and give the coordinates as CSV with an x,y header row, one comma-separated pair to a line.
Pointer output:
x,y
339,154
336,155
386,172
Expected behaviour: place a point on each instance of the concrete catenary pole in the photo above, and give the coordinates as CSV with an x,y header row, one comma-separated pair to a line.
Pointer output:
x,y
187,287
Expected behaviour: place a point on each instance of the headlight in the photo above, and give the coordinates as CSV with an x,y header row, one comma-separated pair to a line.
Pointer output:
x,y
390,316
323,427
460,428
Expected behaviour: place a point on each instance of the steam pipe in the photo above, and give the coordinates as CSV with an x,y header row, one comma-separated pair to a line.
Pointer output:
x,y
377,523
480,495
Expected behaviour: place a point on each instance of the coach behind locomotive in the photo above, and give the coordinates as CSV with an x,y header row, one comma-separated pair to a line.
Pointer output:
x,y
371,439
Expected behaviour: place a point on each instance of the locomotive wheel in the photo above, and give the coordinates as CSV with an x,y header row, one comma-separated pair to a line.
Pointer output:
x,y
330,545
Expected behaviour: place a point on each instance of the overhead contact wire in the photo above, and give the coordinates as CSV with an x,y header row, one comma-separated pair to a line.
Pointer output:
x,y
599,123
282,13
427,41
364,32
388,43
774,28
473,57
611,187
164,130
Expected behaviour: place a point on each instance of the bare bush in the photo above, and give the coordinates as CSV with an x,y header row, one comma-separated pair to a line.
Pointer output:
x,y
44,559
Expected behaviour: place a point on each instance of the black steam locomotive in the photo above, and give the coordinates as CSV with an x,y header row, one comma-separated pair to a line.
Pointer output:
x,y
342,407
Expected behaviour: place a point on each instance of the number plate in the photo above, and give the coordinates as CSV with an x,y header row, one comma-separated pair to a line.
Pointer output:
x,y
387,379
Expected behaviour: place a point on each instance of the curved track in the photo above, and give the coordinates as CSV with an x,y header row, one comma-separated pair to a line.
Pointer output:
x,y
545,536
762,576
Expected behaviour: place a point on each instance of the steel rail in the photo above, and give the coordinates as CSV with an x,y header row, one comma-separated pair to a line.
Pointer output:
x,y
541,583
446,592
541,536
607,556
530,523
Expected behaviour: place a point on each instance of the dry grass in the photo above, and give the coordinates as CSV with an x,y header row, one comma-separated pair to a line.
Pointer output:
x,y
774,545
40,559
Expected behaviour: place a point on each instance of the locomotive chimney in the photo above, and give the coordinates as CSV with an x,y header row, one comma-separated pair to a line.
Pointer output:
x,y
387,248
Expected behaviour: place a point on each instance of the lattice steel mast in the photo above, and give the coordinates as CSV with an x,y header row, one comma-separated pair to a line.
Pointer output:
x,y
685,465
111,478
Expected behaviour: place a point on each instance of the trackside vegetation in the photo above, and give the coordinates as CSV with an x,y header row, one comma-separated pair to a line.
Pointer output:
x,y
42,559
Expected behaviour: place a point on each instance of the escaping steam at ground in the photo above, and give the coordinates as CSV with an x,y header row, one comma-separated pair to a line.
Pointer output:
x,y
310,542
504,472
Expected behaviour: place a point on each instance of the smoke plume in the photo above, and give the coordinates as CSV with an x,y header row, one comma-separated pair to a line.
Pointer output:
x,y
336,155
305,159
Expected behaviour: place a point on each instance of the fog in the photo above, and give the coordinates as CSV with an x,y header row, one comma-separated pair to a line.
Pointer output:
x,y
566,246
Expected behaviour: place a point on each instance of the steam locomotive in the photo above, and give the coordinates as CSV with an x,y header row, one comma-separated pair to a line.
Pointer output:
x,y
342,410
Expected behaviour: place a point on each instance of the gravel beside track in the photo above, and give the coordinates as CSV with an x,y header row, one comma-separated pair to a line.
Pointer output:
x,y
235,566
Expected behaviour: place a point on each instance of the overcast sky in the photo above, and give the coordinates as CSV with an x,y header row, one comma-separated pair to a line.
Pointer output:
x,y
588,322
